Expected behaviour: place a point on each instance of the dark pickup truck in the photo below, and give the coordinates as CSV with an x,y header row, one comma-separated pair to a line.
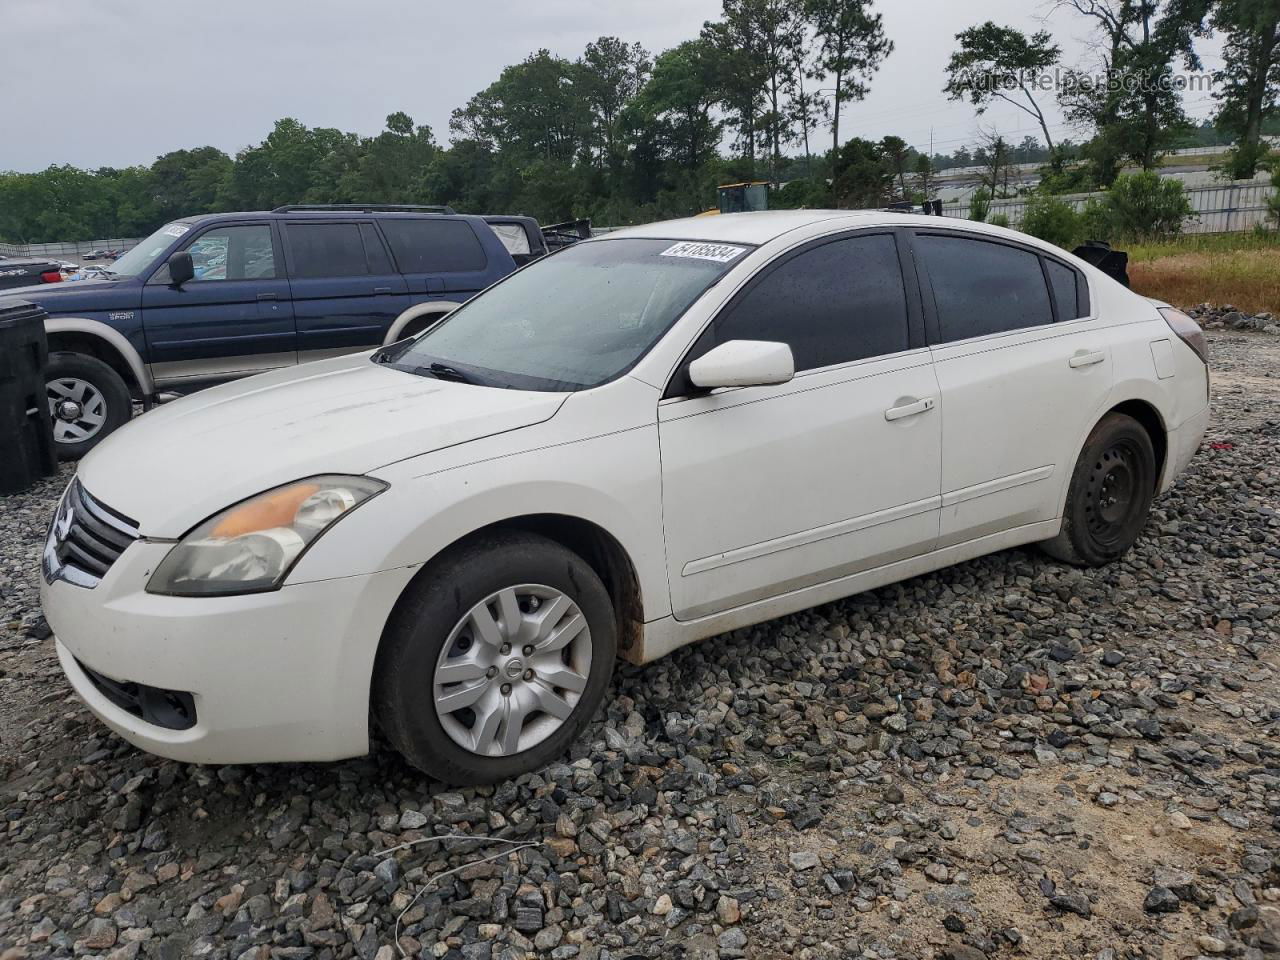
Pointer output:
x,y
211,298
25,271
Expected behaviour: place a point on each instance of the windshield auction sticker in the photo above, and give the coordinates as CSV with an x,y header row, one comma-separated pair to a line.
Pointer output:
x,y
175,230
719,252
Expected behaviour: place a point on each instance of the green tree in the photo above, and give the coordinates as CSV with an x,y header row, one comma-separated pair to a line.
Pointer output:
x,y
851,46
189,181
612,73
1249,81
862,179
897,155
1143,206
1053,220
535,108
1002,63
678,101
1137,112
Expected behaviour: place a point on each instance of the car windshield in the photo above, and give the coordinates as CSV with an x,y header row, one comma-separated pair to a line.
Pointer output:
x,y
573,320
140,259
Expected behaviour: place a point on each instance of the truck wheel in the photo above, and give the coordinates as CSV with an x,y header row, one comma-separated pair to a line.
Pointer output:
x,y
495,660
87,401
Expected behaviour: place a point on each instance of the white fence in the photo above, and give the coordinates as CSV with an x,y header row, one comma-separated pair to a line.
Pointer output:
x,y
72,249
1230,208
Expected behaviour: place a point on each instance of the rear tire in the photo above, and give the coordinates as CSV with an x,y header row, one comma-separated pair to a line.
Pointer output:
x,y
494,659
88,401
1110,494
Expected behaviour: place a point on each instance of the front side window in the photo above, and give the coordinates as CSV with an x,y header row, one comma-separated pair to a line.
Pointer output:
x,y
981,288
838,302
573,320
234,253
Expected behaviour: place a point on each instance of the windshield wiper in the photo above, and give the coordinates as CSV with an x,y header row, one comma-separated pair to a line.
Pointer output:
x,y
442,371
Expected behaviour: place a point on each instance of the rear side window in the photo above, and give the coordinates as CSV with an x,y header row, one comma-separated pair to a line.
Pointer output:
x,y
838,302
433,246
982,288
327,250
1066,284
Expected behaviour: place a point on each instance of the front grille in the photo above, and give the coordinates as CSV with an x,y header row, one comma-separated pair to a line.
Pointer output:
x,y
171,709
85,538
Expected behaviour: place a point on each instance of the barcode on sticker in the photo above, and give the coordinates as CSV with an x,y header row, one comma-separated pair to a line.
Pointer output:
x,y
719,252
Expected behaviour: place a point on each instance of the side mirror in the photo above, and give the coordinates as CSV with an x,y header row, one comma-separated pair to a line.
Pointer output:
x,y
181,269
743,363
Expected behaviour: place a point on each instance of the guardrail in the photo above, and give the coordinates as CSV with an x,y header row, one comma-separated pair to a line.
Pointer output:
x,y
72,249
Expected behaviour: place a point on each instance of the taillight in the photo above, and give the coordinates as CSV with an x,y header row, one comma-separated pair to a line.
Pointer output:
x,y
1188,331
53,276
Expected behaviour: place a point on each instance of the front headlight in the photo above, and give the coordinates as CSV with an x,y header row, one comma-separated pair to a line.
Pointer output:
x,y
253,545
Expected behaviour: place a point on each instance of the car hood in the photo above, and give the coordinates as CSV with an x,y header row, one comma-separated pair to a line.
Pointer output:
x,y
80,295
177,465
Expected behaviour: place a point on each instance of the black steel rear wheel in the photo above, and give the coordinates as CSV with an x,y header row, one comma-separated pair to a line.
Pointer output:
x,y
1110,495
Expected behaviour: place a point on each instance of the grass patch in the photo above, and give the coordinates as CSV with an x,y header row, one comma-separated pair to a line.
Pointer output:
x,y
1248,278
1201,243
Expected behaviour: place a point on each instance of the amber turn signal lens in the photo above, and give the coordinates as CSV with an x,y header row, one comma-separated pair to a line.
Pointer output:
x,y
263,513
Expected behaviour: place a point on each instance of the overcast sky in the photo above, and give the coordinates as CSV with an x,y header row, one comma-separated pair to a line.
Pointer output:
x,y
118,82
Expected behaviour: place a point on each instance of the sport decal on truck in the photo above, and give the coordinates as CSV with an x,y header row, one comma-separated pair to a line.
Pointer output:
x,y
719,252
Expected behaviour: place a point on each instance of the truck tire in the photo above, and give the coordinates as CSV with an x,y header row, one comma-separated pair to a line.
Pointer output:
x,y
87,401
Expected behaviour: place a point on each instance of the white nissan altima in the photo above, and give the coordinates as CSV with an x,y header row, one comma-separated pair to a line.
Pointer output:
x,y
640,441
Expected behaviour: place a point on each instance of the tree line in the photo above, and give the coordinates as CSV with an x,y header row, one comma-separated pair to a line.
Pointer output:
x,y
621,135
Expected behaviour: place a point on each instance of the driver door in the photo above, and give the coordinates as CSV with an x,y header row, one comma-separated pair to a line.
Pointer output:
x,y
772,489
233,318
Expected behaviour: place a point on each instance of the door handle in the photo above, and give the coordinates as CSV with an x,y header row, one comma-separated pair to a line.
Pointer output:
x,y
381,289
267,296
911,409
1086,359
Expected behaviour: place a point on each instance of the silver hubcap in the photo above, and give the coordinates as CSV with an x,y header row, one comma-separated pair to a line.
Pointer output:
x,y
77,407
512,670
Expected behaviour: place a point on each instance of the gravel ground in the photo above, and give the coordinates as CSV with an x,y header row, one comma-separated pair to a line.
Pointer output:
x,y
1010,758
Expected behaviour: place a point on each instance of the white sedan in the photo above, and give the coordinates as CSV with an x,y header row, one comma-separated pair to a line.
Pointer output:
x,y
640,441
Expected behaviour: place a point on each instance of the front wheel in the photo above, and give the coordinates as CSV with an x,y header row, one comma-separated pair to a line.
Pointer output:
x,y
1110,494
495,659
87,401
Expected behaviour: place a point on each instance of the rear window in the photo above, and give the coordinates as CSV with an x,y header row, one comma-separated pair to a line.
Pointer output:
x,y
433,246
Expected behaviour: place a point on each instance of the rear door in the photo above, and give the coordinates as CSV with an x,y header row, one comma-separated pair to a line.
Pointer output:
x,y
346,293
233,318
1024,371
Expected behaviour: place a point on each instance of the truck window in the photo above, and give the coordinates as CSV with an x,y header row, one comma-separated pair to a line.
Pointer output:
x,y
433,246
326,250
234,253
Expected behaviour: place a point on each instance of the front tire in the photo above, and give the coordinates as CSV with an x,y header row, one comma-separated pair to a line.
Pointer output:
x,y
1110,494
87,401
495,659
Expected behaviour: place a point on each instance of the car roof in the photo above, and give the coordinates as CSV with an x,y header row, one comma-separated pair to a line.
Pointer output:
x,y
763,226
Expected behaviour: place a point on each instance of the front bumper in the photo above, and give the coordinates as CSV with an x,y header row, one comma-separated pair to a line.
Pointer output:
x,y
280,676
